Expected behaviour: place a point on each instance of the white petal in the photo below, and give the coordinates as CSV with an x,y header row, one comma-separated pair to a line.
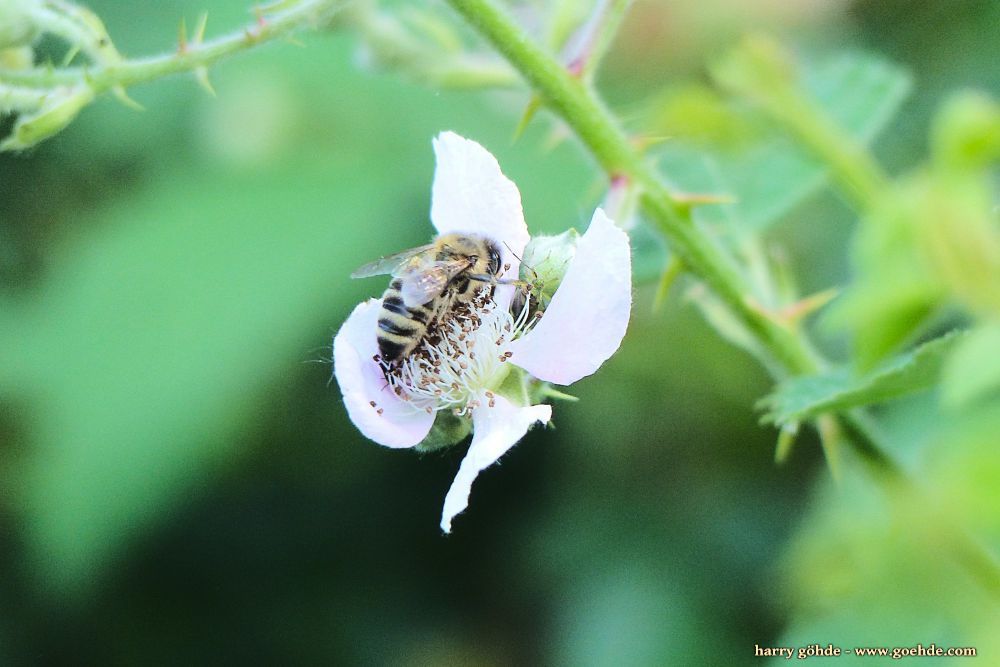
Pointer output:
x,y
471,195
361,382
497,429
586,320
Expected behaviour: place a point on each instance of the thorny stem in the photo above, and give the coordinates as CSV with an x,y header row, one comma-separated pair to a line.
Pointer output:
x,y
580,107
597,129
289,16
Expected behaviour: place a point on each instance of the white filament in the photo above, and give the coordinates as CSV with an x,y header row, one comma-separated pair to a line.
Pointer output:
x,y
463,359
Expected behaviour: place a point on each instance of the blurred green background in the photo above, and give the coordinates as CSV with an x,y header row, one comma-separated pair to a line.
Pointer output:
x,y
180,483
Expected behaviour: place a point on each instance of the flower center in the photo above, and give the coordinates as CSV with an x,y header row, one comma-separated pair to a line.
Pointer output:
x,y
462,359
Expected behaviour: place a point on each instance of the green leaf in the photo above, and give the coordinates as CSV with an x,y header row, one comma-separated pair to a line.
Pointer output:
x,y
973,371
767,173
840,389
885,314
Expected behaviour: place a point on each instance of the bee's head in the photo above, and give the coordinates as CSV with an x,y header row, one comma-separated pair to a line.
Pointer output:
x,y
483,253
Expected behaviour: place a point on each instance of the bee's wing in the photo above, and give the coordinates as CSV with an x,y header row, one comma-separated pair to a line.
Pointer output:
x,y
422,281
390,264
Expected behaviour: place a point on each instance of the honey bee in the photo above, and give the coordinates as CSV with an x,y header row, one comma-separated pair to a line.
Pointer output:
x,y
428,282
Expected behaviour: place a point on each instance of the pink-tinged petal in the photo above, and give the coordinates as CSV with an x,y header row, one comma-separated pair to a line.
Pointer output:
x,y
586,320
497,429
361,382
471,195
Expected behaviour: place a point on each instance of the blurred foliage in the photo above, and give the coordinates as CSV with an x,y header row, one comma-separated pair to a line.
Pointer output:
x,y
873,568
840,389
725,151
180,483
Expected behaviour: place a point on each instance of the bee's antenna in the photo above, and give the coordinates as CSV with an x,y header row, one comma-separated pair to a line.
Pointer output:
x,y
515,254
521,260
527,287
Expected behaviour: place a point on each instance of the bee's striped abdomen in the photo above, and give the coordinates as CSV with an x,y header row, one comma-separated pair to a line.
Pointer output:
x,y
400,329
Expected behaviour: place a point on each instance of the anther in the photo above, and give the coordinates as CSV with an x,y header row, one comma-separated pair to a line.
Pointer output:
x,y
379,412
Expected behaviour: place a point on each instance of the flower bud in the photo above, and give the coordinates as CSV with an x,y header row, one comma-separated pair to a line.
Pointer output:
x,y
58,111
546,259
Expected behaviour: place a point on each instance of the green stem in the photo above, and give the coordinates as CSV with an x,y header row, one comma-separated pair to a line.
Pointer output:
x,y
572,99
187,58
594,125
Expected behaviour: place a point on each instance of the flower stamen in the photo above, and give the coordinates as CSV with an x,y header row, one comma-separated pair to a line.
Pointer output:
x,y
445,371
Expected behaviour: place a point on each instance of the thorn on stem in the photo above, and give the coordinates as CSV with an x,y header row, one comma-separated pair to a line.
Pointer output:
x,y
201,76
199,31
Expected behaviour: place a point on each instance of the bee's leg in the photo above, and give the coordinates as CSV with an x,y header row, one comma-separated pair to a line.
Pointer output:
x,y
435,318
442,307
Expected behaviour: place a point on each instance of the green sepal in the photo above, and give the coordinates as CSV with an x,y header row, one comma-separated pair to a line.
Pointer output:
x,y
546,259
58,111
545,390
448,429
514,387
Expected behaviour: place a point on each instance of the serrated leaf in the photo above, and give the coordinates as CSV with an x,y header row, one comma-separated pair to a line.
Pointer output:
x,y
840,389
768,174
